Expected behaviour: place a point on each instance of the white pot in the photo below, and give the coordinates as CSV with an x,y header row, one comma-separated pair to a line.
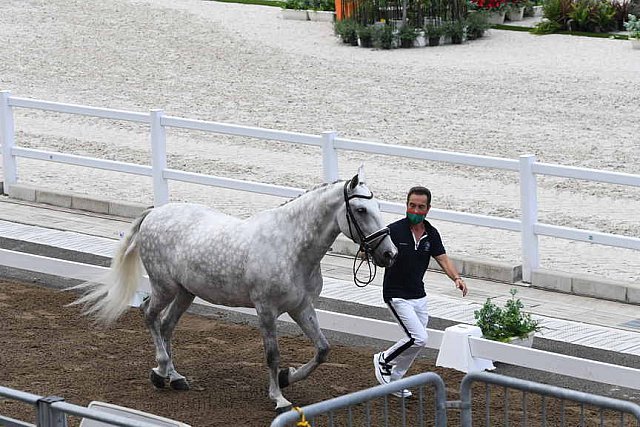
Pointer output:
x,y
515,14
321,15
496,18
635,43
537,11
523,342
295,14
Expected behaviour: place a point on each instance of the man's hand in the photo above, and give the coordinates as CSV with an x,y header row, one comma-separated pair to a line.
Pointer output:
x,y
461,285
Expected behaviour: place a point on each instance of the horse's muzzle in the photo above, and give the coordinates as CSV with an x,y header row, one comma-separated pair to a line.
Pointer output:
x,y
388,257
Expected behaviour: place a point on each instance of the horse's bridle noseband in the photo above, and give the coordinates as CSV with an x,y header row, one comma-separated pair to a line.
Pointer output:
x,y
368,244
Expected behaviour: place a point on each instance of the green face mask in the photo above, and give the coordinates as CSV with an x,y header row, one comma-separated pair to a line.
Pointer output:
x,y
415,218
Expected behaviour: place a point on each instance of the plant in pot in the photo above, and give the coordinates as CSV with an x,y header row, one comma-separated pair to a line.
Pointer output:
x,y
507,323
455,30
346,29
434,33
384,37
633,26
477,24
407,36
365,34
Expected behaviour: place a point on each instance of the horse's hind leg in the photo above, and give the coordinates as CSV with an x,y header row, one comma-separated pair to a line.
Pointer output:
x,y
308,321
170,319
159,299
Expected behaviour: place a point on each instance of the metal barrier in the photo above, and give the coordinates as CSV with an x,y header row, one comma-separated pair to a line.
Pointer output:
x,y
375,407
566,407
52,411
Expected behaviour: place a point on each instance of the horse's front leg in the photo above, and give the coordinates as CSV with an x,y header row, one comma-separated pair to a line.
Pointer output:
x,y
267,323
307,319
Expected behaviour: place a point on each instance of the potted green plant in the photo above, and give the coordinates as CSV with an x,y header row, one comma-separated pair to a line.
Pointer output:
x,y
434,33
508,323
383,37
456,31
365,34
633,26
347,30
407,36
477,24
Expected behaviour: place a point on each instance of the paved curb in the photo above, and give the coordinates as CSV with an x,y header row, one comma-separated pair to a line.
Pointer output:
x,y
576,284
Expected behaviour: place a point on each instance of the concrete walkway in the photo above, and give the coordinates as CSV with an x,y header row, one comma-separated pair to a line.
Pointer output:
x,y
588,322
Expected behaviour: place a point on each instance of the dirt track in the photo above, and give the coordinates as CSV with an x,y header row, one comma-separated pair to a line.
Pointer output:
x,y
46,348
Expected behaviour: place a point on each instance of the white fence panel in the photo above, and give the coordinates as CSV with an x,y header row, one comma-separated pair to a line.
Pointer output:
x,y
329,142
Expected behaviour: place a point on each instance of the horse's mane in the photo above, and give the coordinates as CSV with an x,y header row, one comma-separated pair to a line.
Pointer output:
x,y
317,187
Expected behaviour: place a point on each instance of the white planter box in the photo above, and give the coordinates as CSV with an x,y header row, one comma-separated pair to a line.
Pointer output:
x,y
295,14
635,43
537,11
523,342
321,15
515,14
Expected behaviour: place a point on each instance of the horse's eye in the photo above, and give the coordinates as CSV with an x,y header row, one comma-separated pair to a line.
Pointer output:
x,y
361,210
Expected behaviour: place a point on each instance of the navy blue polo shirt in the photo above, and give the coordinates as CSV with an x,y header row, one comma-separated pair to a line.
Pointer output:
x,y
404,278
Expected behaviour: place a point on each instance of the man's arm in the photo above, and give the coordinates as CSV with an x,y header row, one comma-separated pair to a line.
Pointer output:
x,y
451,271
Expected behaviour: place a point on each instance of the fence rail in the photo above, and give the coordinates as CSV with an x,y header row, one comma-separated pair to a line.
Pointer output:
x,y
527,167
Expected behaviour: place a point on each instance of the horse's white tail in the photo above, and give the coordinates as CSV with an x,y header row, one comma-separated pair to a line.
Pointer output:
x,y
108,298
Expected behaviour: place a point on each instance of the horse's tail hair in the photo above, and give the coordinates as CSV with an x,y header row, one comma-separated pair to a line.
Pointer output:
x,y
108,298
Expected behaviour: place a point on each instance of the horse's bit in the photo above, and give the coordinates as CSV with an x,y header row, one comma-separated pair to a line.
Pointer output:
x,y
368,244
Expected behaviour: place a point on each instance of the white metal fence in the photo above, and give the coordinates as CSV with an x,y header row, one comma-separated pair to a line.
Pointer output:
x,y
527,167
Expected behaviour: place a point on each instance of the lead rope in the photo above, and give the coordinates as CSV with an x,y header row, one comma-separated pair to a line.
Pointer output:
x,y
303,422
356,269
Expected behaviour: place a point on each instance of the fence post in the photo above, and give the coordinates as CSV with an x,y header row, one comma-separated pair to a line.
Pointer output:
x,y
329,157
49,417
159,159
7,139
529,217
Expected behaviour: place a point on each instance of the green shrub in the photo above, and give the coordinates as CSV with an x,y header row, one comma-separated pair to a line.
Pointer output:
x,y
477,24
384,37
502,323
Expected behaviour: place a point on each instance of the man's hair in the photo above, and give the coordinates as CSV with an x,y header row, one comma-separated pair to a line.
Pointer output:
x,y
422,191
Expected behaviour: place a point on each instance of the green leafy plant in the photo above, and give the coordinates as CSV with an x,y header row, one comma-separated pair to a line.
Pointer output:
x,y
384,37
347,30
297,4
365,34
407,34
633,26
477,23
455,30
433,32
503,323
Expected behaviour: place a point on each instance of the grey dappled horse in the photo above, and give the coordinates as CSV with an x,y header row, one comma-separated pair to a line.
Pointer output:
x,y
270,261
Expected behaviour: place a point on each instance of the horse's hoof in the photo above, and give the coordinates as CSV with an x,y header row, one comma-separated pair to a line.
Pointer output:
x,y
180,384
283,409
156,380
283,378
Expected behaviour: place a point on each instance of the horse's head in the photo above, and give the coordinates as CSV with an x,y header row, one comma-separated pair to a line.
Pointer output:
x,y
361,221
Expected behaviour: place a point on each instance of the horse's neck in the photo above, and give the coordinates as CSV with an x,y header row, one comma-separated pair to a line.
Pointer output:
x,y
312,218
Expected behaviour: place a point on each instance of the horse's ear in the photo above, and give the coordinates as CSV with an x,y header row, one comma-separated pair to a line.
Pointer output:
x,y
361,174
354,182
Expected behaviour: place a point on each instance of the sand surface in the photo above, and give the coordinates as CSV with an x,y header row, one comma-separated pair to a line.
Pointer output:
x,y
568,100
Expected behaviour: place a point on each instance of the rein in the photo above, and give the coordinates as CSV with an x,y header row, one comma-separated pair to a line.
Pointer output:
x,y
368,244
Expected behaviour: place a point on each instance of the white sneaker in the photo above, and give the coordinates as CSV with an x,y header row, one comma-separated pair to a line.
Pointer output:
x,y
382,369
402,393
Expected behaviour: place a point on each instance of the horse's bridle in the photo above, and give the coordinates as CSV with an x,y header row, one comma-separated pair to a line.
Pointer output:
x,y
368,244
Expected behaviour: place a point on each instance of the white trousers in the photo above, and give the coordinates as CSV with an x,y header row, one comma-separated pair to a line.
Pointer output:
x,y
412,316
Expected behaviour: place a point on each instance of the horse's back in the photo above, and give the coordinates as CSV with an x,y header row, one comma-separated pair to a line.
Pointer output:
x,y
192,245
